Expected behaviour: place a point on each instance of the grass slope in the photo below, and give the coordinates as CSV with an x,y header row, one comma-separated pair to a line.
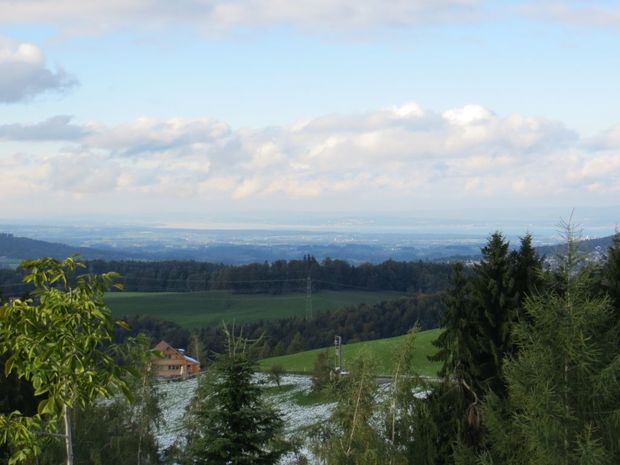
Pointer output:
x,y
382,349
191,309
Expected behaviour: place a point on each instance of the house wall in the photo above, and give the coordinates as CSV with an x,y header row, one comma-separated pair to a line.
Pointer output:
x,y
174,365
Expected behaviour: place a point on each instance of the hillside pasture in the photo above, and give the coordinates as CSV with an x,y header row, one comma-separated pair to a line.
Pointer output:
x,y
383,350
195,309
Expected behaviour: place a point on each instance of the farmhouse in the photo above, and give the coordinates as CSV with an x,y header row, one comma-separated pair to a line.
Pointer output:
x,y
174,363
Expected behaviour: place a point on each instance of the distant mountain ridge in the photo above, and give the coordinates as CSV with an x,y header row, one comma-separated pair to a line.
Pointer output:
x,y
15,248
599,244
20,248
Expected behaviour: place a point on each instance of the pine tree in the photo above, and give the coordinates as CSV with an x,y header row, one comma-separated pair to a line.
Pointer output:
x,y
229,422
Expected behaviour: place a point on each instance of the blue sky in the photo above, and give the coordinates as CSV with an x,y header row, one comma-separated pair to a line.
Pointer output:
x,y
138,107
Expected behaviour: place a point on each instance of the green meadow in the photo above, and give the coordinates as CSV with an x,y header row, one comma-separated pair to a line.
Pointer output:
x,y
194,309
382,350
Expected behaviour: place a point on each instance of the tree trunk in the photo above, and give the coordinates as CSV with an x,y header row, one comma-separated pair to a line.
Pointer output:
x,y
68,436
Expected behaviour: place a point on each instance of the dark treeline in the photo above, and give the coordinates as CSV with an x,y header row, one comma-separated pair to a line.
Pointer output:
x,y
277,277
274,278
360,323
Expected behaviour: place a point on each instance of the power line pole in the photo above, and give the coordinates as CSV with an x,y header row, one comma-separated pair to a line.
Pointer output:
x,y
338,346
309,298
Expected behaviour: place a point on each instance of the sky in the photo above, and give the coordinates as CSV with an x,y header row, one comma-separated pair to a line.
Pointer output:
x,y
153,109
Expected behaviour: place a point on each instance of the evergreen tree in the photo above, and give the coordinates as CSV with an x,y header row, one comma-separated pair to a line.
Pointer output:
x,y
230,423
496,301
402,404
457,344
527,270
564,384
349,437
611,274
454,406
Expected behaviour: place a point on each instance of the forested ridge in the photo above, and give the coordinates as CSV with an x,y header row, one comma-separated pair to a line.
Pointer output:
x,y
274,278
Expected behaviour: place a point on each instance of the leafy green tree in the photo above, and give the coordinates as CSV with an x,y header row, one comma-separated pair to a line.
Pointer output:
x,y
564,383
120,431
229,421
15,395
60,341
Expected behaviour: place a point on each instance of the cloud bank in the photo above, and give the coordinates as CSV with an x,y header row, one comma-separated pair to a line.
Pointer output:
x,y
24,74
578,12
397,157
221,15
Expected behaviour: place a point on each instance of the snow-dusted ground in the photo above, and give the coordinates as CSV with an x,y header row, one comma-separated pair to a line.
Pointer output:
x,y
177,395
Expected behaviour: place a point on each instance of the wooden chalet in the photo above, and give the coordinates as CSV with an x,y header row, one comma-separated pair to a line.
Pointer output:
x,y
174,363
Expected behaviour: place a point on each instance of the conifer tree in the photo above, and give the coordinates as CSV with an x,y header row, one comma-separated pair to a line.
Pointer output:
x,y
457,344
229,422
564,384
527,270
451,414
349,437
496,301
611,274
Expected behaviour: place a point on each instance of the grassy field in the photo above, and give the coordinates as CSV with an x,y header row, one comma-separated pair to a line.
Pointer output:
x,y
192,309
382,349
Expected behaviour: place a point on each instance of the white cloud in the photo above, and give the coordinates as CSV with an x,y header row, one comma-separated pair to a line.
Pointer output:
x,y
462,156
54,128
83,173
577,12
23,72
210,16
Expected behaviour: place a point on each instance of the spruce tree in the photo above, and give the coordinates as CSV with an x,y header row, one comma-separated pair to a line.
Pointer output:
x,y
611,274
451,414
229,422
457,344
496,300
527,270
564,384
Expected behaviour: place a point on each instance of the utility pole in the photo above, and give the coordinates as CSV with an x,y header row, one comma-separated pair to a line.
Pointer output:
x,y
309,298
338,346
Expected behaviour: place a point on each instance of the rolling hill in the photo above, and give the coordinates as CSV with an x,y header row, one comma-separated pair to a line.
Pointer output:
x,y
14,248
382,349
192,309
